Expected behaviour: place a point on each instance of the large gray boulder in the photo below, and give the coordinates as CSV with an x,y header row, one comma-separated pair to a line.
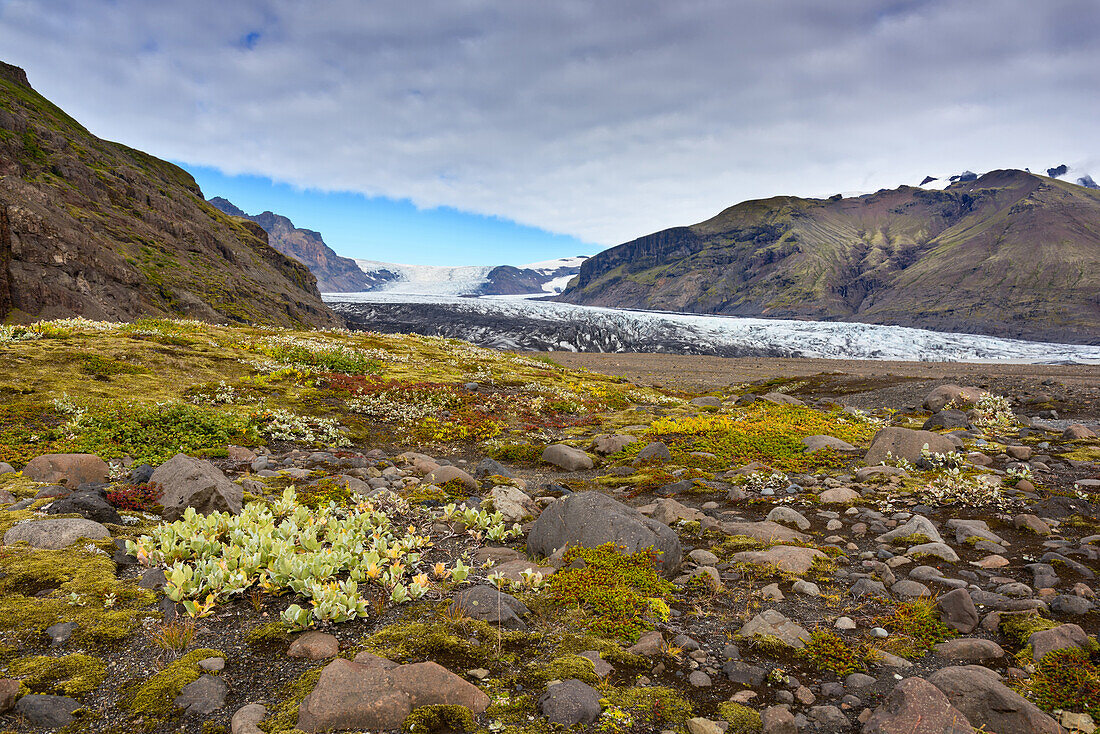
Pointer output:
x,y
960,397
986,702
915,706
590,519
567,457
71,470
55,534
189,482
905,443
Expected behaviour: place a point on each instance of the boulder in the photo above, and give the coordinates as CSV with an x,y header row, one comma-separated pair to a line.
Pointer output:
x,y
590,519
788,516
973,649
71,470
957,611
607,445
570,702
314,645
788,558
765,530
781,399
1074,432
375,693
904,443
189,482
916,525
770,623
653,451
947,419
491,467
816,443
55,533
1058,638
566,457
89,505
48,712
513,503
490,605
444,474
778,720
247,718
203,696
9,689
986,702
838,495
915,706
960,397
669,511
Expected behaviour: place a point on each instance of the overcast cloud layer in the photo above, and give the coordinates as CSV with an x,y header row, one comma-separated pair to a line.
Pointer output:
x,y
604,120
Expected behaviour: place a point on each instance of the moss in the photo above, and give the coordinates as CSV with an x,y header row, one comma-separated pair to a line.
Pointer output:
x,y
521,453
612,588
71,675
103,368
827,651
742,719
914,539
440,718
323,491
272,633
283,717
81,587
916,627
1067,679
1020,627
657,706
153,699
563,668
464,644
609,650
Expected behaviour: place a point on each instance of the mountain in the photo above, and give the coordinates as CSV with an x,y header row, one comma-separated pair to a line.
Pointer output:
x,y
97,229
1008,254
335,274
541,278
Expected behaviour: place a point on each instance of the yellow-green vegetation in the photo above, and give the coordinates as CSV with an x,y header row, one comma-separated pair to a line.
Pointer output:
x,y
272,633
618,592
459,644
567,666
1067,679
446,718
1020,627
827,651
764,432
70,675
44,587
651,708
204,386
283,717
153,698
915,627
742,719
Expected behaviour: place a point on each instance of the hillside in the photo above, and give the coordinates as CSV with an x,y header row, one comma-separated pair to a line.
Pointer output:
x,y
335,274
97,229
1008,254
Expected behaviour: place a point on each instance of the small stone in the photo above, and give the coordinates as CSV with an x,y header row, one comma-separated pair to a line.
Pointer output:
x,y
570,702
247,718
9,689
844,623
699,679
703,726
203,696
314,645
478,673
838,495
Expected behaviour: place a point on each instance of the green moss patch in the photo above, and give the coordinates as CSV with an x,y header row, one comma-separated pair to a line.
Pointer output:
x,y
284,716
915,628
71,675
827,651
440,718
1066,679
742,719
154,698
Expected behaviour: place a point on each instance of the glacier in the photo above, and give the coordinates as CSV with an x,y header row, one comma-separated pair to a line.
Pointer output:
x,y
522,323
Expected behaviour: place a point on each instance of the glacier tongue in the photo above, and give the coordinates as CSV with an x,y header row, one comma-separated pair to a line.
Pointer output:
x,y
518,323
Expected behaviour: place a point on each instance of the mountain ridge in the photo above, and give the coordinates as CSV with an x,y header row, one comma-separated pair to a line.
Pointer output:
x,y
334,273
93,228
961,259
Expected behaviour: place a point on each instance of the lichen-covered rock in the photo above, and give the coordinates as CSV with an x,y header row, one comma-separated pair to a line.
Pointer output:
x,y
591,519
375,693
905,443
55,533
570,702
789,558
566,457
71,470
444,474
771,623
189,482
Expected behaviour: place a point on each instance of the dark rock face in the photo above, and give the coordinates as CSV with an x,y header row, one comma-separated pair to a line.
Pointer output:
x,y
335,274
97,229
788,257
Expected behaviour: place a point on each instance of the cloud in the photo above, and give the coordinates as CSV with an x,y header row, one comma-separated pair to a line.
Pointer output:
x,y
602,120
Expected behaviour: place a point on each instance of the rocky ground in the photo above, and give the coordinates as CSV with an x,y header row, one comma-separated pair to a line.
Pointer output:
x,y
211,529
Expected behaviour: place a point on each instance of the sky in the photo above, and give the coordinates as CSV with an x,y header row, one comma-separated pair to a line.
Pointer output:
x,y
505,131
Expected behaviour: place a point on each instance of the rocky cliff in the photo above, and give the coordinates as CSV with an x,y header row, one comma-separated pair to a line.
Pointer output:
x,y
335,274
97,229
1008,254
